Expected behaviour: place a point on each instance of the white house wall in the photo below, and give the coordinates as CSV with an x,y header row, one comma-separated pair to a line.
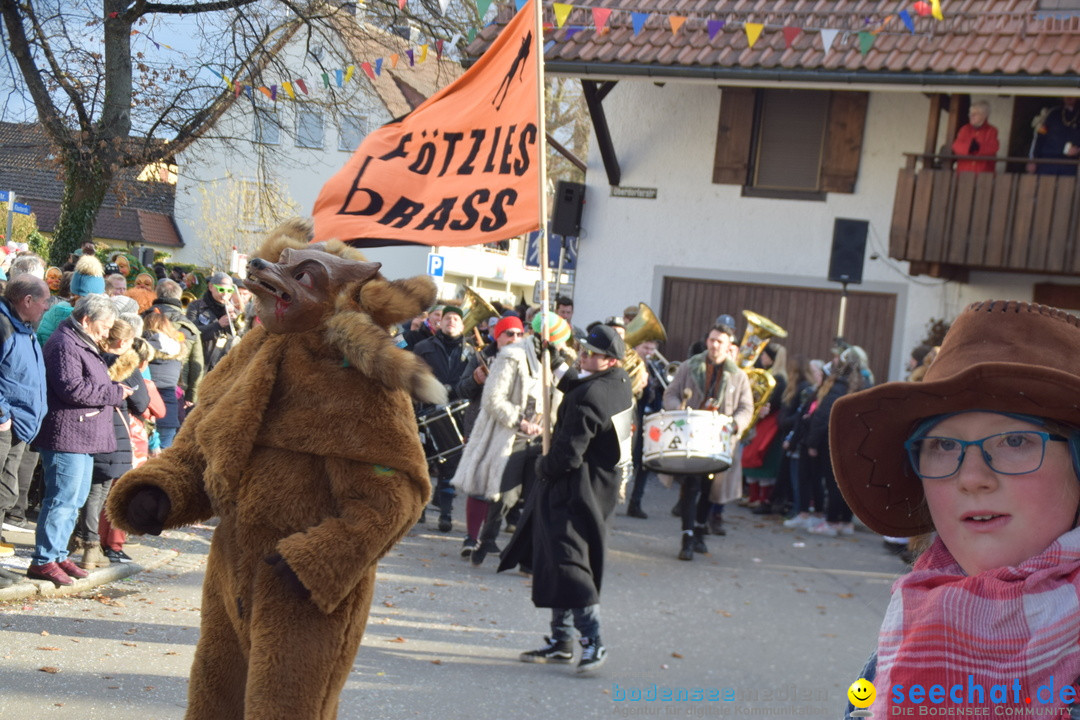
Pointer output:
x,y
665,137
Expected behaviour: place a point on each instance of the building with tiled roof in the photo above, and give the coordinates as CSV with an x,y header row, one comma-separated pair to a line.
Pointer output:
x,y
729,138
143,216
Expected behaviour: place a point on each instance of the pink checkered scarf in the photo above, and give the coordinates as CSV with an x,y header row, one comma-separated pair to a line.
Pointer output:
x,y
1009,623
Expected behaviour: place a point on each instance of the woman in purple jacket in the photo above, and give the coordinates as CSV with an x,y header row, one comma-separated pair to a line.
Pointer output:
x,y
78,424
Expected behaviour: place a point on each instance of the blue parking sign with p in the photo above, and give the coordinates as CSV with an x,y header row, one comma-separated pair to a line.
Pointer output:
x,y
435,265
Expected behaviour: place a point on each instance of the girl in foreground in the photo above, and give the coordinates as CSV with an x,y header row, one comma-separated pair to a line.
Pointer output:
x,y
985,452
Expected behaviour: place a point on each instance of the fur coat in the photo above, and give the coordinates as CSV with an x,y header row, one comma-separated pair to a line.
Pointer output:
x,y
513,385
305,446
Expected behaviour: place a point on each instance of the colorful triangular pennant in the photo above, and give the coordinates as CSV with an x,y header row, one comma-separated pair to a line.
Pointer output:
x,y
676,23
790,33
562,11
753,32
909,22
638,19
714,27
866,41
600,17
828,36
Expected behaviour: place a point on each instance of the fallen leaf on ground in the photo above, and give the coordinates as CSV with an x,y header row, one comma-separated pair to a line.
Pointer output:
x,y
50,670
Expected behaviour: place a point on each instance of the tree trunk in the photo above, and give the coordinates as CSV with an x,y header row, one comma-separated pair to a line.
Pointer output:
x,y
85,185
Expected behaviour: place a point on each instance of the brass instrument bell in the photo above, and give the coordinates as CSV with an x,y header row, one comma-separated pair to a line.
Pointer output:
x,y
645,326
759,331
477,310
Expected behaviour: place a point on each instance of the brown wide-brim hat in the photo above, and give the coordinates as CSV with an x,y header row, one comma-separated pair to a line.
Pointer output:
x,y
1003,356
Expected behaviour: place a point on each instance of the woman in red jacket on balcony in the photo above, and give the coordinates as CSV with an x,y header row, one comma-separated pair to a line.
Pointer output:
x,y
978,137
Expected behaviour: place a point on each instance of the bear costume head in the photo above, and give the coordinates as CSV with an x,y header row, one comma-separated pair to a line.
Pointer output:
x,y
299,286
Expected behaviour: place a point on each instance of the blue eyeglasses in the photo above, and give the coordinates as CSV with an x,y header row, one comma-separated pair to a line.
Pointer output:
x,y
1009,453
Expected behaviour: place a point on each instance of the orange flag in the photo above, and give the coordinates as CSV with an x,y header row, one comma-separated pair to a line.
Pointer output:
x,y
460,169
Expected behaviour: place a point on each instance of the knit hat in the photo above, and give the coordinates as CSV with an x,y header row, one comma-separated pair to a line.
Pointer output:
x,y
510,322
558,329
89,277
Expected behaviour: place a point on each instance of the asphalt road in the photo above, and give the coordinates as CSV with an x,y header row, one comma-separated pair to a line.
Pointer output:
x,y
773,623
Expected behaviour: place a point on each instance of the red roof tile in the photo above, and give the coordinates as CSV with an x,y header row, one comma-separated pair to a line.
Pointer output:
x,y
976,38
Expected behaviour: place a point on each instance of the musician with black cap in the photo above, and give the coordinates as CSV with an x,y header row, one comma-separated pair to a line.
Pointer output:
x,y
563,530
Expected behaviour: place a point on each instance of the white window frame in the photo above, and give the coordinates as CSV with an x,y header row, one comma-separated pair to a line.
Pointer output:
x,y
267,119
303,138
360,123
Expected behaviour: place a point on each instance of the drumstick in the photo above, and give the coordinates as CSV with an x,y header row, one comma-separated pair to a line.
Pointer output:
x,y
685,398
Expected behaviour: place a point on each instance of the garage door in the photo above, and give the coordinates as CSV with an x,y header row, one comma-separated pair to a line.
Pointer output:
x,y
809,315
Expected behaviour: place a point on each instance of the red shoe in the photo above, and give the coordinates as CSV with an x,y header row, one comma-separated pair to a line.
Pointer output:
x,y
72,569
49,571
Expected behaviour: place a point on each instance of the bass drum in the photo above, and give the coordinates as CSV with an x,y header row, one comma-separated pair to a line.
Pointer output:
x,y
688,442
441,430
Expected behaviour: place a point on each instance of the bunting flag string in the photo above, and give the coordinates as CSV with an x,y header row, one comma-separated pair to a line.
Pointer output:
x,y
601,18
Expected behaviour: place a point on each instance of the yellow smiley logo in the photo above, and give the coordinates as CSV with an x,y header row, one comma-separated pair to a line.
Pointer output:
x,y
861,693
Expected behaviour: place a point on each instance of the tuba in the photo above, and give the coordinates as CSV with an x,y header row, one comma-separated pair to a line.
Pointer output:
x,y
759,330
646,326
477,310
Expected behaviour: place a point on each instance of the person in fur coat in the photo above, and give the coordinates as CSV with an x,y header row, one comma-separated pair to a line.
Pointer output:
x,y
504,442
304,445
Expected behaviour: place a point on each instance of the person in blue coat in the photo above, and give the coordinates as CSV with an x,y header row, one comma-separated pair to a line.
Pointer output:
x,y
22,384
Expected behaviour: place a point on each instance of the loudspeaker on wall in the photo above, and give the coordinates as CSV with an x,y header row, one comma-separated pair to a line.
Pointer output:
x,y
566,212
848,250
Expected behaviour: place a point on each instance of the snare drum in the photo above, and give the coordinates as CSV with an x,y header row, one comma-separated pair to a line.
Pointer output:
x,y
440,430
688,442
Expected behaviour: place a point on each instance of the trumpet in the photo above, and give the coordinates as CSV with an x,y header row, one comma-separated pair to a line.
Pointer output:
x,y
662,369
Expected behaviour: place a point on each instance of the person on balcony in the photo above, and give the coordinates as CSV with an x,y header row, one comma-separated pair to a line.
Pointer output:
x,y
978,137
1057,137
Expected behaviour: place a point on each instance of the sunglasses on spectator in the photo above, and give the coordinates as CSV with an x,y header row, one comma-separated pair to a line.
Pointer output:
x,y
513,333
225,289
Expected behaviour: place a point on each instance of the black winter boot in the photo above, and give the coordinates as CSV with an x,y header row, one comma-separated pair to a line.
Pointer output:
x,y
635,511
687,551
699,539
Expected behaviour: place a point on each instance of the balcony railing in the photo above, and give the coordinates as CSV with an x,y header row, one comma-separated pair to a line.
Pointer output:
x,y
1017,222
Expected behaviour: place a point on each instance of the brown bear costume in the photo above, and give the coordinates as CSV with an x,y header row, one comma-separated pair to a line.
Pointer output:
x,y
305,445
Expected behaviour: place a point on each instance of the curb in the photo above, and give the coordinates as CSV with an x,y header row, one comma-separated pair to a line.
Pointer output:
x,y
117,571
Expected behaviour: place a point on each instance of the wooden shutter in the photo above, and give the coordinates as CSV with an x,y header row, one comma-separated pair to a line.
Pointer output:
x,y
731,164
789,142
843,141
